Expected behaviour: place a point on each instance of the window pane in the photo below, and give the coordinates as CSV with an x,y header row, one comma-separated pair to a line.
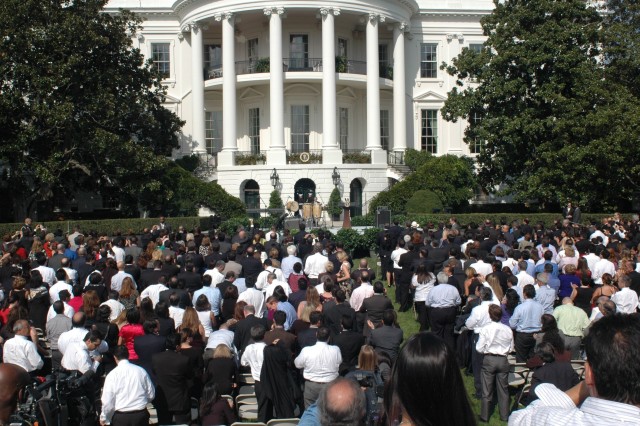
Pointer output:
x,y
344,128
342,47
212,56
213,131
476,145
299,128
299,51
476,47
384,129
429,130
254,130
428,60
161,57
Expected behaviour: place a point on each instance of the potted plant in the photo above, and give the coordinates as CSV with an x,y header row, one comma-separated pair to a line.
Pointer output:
x,y
341,64
334,207
263,65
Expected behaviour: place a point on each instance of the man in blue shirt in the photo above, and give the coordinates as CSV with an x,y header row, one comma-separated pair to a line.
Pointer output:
x,y
212,293
526,321
545,295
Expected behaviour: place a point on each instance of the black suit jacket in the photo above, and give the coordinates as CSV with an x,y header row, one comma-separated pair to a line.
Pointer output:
x,y
146,347
134,271
307,338
192,280
185,299
173,375
333,316
560,373
242,331
406,262
387,339
349,343
438,256
148,277
375,306
251,267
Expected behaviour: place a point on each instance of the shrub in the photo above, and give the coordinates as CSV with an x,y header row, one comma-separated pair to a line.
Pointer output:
x,y
423,201
333,207
275,202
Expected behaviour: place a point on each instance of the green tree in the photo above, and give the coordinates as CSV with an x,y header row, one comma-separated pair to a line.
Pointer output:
x,y
79,107
536,101
275,202
335,203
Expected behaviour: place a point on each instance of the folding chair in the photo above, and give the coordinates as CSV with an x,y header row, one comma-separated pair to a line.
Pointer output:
x,y
247,406
283,422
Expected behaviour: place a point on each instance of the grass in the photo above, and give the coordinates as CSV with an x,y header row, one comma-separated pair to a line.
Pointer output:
x,y
410,326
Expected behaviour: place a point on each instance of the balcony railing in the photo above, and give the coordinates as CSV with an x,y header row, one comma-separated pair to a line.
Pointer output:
x,y
312,156
356,156
249,158
395,158
302,64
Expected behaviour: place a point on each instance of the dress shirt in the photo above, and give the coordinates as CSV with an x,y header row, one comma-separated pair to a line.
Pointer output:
x,y
116,308
482,268
592,259
572,320
268,290
395,256
320,362
68,312
116,280
153,292
48,274
512,264
77,335
526,317
216,276
291,313
550,248
524,279
253,356
479,316
626,300
77,358
253,297
422,290
546,296
603,266
118,253
495,338
213,296
221,337
598,233
554,407
21,351
315,265
443,296
540,268
359,294
72,274
57,288
177,314
57,325
140,390
261,281
287,265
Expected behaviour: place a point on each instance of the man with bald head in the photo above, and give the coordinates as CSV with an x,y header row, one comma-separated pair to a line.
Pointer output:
x,y
572,321
21,350
116,279
341,402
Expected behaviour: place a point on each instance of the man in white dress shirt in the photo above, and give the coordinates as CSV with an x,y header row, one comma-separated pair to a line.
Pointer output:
x,y
315,264
261,281
60,285
21,349
48,274
253,357
116,280
216,274
495,343
477,320
77,355
320,364
609,393
603,266
626,300
130,407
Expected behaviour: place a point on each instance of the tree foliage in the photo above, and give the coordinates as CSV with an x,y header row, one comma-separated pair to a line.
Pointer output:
x,y
449,177
79,107
551,126
275,202
334,207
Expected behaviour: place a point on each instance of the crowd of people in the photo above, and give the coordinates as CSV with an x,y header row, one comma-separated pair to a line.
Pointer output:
x,y
183,319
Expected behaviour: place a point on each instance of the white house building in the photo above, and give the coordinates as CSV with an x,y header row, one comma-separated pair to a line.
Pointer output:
x,y
308,89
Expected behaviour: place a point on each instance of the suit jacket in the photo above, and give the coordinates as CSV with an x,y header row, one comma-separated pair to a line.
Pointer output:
x,y
134,251
173,376
185,299
287,339
134,271
406,262
560,373
234,266
149,277
333,316
438,256
251,267
192,280
307,337
146,347
387,339
349,343
196,258
242,331
375,306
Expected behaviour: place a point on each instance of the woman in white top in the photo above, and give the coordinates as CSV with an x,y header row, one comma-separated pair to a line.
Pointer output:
x,y
493,282
422,282
206,317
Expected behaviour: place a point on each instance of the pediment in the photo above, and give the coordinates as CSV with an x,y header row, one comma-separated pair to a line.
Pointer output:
x,y
301,89
346,92
250,93
431,96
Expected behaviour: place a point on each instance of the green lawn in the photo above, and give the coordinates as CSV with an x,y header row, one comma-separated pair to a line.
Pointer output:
x,y
410,326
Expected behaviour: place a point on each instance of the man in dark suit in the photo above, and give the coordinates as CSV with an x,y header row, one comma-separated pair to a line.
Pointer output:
x,y
173,375
215,254
192,279
148,345
131,268
438,255
164,226
333,315
376,305
176,286
349,342
242,329
277,332
308,337
132,248
403,286
251,266
150,276
387,338
192,256
169,267
83,266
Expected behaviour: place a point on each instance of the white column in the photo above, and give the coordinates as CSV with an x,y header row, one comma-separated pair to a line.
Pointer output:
x,y
277,154
399,102
197,89
331,153
378,156
229,135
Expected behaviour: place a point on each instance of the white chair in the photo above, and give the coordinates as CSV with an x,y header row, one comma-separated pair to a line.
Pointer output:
x,y
248,424
246,378
283,422
518,374
247,406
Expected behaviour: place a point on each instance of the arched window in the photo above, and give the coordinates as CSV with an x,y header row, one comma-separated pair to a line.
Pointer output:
x,y
304,191
252,194
355,197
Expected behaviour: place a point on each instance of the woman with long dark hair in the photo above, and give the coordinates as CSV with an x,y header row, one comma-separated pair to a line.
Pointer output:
x,y
427,359
213,409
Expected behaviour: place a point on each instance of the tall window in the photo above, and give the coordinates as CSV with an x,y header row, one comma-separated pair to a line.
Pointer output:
x,y
252,195
212,56
429,130
254,130
342,47
299,128
476,47
428,60
383,59
298,51
384,129
476,145
161,57
252,51
213,131
343,137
